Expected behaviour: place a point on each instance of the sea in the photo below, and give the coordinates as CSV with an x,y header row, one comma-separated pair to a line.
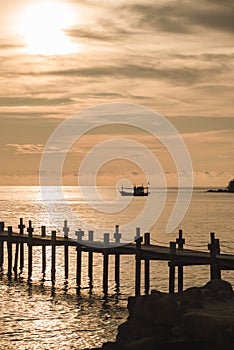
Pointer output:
x,y
36,315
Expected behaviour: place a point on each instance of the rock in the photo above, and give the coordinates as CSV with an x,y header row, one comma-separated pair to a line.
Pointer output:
x,y
197,318
110,346
150,309
204,326
218,290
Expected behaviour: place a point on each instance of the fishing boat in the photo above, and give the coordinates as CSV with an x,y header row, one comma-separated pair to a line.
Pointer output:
x,y
135,191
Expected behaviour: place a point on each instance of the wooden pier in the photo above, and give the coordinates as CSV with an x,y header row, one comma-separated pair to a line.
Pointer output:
x,y
175,254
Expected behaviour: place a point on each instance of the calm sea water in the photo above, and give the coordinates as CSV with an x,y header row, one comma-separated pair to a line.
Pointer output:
x,y
37,317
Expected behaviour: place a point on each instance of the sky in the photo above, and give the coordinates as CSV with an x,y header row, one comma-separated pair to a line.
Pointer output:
x,y
60,57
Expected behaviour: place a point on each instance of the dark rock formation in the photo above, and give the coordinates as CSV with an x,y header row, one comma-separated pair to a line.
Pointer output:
x,y
198,318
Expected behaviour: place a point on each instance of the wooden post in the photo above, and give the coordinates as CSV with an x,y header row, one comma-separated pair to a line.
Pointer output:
x,y
117,237
21,227
138,233
217,269
43,251
9,252
138,267
30,232
15,268
79,235
78,268
214,250
117,271
180,242
53,257
147,238
212,237
66,255
212,254
105,264
2,225
90,261
147,264
1,246
171,265
217,245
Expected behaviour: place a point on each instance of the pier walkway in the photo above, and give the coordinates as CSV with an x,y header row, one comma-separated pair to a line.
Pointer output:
x,y
175,254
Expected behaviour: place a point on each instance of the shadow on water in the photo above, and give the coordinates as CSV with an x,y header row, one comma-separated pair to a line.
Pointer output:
x,y
81,295
43,310
65,286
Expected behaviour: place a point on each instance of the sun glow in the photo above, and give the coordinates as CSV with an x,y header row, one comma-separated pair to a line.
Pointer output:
x,y
43,26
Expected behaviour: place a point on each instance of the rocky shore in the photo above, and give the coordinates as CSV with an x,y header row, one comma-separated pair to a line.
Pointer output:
x,y
200,318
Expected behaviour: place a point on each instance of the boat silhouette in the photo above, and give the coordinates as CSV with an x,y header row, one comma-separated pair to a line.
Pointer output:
x,y
137,191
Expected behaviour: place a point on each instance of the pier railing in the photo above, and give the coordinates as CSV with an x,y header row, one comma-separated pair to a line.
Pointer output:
x,y
144,251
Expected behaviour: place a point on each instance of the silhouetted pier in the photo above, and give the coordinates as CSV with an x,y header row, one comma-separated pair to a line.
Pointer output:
x,y
175,254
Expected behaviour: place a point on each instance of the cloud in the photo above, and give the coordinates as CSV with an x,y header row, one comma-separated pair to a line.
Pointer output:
x,y
206,57
30,115
104,94
210,136
26,148
32,101
9,46
183,16
112,95
180,75
106,31
188,125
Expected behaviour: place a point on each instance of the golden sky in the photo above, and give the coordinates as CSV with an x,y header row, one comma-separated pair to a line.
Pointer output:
x,y
59,57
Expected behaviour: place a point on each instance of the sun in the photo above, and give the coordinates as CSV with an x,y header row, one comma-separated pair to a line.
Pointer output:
x,y
43,26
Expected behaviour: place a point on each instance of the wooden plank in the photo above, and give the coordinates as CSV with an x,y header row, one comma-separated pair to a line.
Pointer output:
x,y
152,252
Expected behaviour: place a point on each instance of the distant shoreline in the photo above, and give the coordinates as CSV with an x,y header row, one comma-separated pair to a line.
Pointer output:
x,y
220,190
